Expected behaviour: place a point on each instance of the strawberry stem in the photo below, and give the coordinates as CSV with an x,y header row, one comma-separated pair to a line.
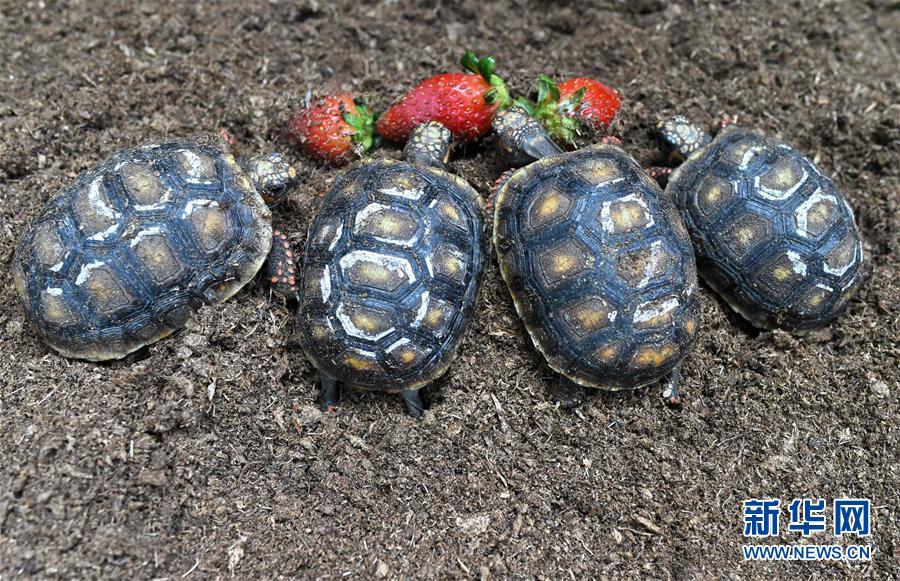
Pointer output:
x,y
363,124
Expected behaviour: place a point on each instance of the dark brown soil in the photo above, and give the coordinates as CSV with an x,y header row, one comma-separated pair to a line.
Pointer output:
x,y
205,456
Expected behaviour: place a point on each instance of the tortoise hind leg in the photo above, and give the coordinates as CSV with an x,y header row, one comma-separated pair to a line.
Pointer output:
x,y
329,392
567,394
413,402
671,393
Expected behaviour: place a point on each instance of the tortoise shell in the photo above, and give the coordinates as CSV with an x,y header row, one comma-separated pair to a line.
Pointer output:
x,y
137,244
600,267
391,272
774,237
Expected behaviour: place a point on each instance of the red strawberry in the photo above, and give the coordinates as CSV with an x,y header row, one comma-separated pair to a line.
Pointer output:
x,y
599,103
333,129
463,102
578,103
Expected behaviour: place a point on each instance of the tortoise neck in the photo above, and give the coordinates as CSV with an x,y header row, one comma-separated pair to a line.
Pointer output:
x,y
429,145
521,137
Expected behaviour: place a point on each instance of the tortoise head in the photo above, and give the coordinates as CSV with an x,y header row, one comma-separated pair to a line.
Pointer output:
x,y
428,145
679,137
521,137
272,175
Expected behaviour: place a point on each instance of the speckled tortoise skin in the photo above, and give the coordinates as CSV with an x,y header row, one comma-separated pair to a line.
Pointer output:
x,y
598,262
392,269
138,243
774,237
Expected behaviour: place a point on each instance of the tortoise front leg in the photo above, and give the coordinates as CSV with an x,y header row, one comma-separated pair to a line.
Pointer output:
x,y
660,174
721,124
611,140
281,266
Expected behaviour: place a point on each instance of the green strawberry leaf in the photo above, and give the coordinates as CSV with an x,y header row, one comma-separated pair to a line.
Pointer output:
x,y
363,124
486,67
555,113
483,66
547,90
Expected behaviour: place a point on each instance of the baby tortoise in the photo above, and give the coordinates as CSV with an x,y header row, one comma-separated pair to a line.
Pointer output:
x,y
139,242
597,260
392,268
774,237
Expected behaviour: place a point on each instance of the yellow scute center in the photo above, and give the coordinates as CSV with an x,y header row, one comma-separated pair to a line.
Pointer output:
x,y
653,355
359,363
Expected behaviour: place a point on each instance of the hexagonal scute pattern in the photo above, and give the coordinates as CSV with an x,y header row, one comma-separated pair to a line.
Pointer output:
x,y
210,224
406,354
640,266
616,275
94,213
453,215
628,213
813,300
116,258
391,268
550,207
564,262
743,152
56,308
449,262
654,355
103,288
712,196
387,224
364,322
783,236
383,272
781,179
588,315
154,252
778,276
816,215
746,233
842,257
195,167
143,184
599,171
656,313
49,250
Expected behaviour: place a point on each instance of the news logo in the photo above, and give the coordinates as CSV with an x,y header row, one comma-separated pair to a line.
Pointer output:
x,y
807,516
851,516
761,517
